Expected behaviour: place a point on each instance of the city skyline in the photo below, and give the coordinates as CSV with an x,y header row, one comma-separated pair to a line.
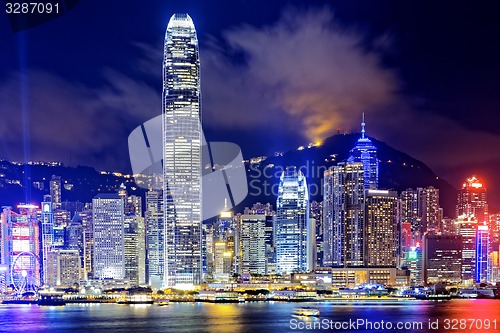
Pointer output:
x,y
133,89
250,182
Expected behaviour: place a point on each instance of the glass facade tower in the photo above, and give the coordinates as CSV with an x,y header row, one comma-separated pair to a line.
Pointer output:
x,y
294,234
366,153
182,144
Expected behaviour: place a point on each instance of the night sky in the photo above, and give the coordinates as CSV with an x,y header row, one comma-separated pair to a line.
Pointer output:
x,y
275,75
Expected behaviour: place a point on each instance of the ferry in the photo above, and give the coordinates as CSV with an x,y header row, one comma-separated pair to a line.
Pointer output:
x,y
163,303
306,311
54,298
135,298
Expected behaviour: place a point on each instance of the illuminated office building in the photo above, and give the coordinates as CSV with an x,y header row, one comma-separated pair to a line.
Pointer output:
x,y
482,251
472,200
155,238
225,242
75,239
316,214
495,229
21,248
442,261
63,268
420,208
466,226
182,144
109,261
47,235
257,241
294,234
413,260
55,191
344,216
365,152
429,210
381,228
88,242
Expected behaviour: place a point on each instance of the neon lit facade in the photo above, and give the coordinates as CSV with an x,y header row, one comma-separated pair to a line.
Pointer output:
x,y
472,200
182,140
482,250
47,236
365,152
466,227
21,248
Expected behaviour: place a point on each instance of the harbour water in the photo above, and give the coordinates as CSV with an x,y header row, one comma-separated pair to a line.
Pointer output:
x,y
480,316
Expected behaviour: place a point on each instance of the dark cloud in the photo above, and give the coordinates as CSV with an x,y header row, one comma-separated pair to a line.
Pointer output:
x,y
304,68
64,118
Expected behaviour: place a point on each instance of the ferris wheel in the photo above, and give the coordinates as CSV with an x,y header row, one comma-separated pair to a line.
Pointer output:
x,y
24,272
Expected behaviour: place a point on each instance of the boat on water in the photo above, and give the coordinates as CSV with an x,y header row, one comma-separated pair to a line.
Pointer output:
x,y
134,297
19,301
51,298
306,311
163,303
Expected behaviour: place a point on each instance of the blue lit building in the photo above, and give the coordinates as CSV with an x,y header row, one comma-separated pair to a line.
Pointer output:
x,y
47,235
295,237
366,153
482,247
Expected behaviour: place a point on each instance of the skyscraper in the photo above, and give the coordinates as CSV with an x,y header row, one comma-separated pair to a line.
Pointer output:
x,y
55,191
155,238
382,228
482,251
295,239
63,268
365,152
47,235
429,208
182,144
256,228
420,207
109,260
466,226
344,215
442,258
472,200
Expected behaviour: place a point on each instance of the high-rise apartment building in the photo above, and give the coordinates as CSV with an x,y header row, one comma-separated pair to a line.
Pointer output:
x,y
344,215
382,228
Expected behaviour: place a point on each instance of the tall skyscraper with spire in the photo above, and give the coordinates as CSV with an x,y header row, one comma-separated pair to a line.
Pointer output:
x,y
182,144
365,152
